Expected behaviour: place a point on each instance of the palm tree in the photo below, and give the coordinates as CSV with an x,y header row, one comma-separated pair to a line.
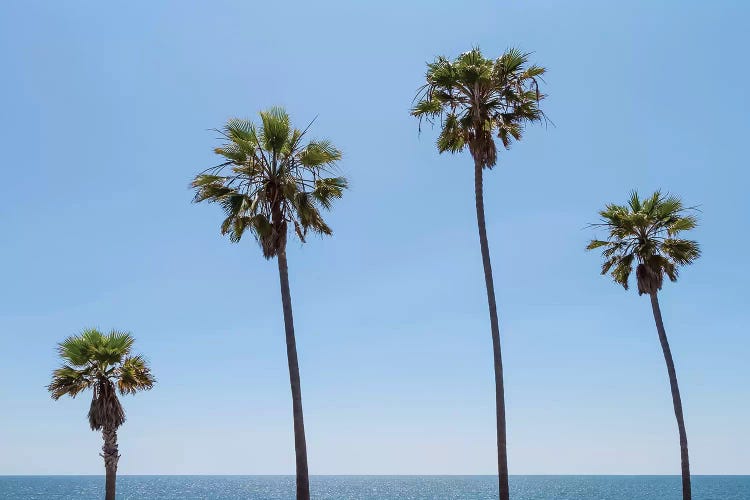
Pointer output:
x,y
644,233
103,363
270,179
475,99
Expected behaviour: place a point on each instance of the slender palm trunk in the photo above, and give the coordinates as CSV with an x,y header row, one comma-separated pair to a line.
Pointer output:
x,y
676,401
111,457
502,451
300,446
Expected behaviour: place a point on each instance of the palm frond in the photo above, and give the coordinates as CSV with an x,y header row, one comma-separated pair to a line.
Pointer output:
x,y
70,381
232,152
327,189
596,244
319,153
309,216
681,252
427,107
675,225
241,131
275,129
119,342
135,375
622,269
452,135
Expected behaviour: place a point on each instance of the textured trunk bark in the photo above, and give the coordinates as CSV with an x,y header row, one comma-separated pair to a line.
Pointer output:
x,y
502,451
300,445
111,457
676,400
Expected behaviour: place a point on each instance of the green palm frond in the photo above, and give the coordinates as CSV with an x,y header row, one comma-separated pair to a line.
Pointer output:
x,y
676,225
641,234
275,129
241,132
210,188
232,152
681,252
135,375
328,189
272,179
596,244
668,207
452,136
75,350
319,153
622,269
118,342
309,215
70,381
477,98
430,108
512,61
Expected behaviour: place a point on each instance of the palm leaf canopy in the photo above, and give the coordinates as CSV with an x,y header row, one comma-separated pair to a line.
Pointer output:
x,y
646,233
476,98
103,363
270,177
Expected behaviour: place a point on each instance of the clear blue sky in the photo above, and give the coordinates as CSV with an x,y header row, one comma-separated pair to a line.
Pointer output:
x,y
106,112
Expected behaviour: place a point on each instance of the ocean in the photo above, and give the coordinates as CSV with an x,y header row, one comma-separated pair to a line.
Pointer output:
x,y
374,487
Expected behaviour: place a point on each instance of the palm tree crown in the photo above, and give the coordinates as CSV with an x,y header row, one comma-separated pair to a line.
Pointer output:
x,y
645,232
477,97
269,178
103,363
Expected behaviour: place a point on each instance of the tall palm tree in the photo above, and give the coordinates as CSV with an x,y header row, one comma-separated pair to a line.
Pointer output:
x,y
645,233
270,179
476,98
103,363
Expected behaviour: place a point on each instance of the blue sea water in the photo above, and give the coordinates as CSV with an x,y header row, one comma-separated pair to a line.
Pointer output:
x,y
375,487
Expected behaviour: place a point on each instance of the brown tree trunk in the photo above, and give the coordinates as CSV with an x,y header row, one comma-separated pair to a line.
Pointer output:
x,y
111,457
502,451
300,446
676,401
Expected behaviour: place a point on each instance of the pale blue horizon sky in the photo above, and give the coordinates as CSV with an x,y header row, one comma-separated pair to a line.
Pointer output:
x,y
107,112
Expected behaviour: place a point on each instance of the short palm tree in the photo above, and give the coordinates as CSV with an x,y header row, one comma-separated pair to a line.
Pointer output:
x,y
271,179
476,99
645,234
103,363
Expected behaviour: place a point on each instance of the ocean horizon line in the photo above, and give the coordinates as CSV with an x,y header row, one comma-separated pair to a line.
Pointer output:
x,y
375,475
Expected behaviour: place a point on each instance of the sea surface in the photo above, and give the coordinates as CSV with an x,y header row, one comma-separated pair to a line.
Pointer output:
x,y
375,487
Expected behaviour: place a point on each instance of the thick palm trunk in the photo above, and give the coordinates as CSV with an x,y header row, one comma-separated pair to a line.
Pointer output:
x,y
676,401
502,451
300,446
111,457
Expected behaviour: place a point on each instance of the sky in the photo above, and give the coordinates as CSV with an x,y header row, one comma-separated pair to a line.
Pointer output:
x,y
107,113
